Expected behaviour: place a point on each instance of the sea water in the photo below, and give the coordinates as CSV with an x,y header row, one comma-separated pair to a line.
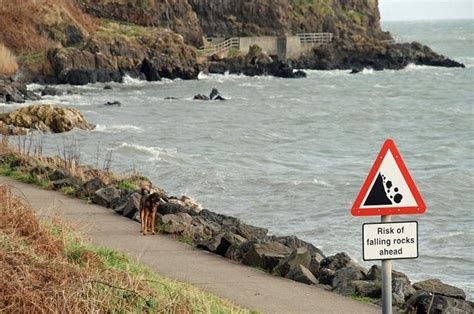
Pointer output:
x,y
291,155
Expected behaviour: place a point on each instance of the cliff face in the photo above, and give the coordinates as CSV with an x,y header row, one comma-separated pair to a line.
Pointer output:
x,y
176,15
268,17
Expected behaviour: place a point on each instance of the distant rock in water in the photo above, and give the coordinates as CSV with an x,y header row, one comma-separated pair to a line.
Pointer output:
x,y
15,92
51,91
356,70
215,95
46,118
113,103
108,87
201,97
374,54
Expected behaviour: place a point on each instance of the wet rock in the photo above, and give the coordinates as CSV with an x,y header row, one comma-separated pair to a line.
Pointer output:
x,y
426,302
367,288
343,277
47,118
91,186
215,95
375,273
58,174
302,274
108,87
200,97
436,286
113,103
105,196
31,96
356,70
74,182
187,202
51,91
401,290
131,207
294,242
266,255
177,223
300,256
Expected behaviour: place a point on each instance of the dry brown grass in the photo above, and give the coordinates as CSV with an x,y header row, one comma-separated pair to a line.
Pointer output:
x,y
25,25
8,64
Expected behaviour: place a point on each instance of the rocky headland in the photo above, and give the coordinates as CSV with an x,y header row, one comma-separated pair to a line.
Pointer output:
x,y
87,41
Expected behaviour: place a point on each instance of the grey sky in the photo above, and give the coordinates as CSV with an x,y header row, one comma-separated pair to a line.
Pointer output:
x,y
392,10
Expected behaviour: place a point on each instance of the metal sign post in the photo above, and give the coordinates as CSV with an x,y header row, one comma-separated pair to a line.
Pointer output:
x,y
386,280
389,190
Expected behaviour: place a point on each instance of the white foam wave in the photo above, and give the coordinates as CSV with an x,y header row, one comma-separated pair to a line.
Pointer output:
x,y
415,67
155,153
367,71
133,81
34,86
313,182
115,128
467,61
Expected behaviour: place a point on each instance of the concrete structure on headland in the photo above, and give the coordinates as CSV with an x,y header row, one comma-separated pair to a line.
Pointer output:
x,y
284,47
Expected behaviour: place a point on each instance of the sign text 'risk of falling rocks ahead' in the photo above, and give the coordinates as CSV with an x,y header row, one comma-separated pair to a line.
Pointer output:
x,y
389,188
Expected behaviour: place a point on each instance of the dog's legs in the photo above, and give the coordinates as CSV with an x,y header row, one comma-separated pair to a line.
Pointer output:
x,y
143,219
153,217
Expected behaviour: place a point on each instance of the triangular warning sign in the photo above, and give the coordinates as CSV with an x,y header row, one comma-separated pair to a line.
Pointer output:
x,y
389,188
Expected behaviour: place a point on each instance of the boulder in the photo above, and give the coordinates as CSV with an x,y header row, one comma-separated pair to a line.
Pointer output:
x,y
91,186
300,256
51,91
294,242
302,274
187,202
221,243
314,265
367,288
401,290
113,103
58,174
375,273
108,87
436,286
177,223
215,95
265,255
47,118
74,182
12,130
11,91
130,207
426,302
105,196
200,97
343,277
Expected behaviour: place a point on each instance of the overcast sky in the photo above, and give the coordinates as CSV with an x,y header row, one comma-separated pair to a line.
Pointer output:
x,y
395,10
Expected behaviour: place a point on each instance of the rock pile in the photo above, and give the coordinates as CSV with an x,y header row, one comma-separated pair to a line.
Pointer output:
x,y
46,118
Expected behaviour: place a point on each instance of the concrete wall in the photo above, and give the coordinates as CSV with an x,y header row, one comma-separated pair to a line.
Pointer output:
x,y
287,47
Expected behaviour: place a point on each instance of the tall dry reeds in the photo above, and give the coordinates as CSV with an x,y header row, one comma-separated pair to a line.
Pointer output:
x,y
8,64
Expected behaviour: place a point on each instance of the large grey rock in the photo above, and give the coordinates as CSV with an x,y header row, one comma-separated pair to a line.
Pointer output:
x,y
329,265
401,290
367,288
302,274
314,265
176,223
343,278
293,242
438,287
375,273
131,207
426,302
93,185
105,196
266,255
299,256
74,182
221,243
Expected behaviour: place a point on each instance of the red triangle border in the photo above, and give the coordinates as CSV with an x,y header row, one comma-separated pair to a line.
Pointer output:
x,y
384,211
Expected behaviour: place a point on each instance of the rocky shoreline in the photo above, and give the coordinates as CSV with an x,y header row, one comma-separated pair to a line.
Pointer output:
x,y
285,256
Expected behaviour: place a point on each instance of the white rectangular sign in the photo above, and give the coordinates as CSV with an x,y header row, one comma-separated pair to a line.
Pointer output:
x,y
393,240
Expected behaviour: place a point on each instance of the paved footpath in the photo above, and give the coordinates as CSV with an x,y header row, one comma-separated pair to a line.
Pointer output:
x,y
241,284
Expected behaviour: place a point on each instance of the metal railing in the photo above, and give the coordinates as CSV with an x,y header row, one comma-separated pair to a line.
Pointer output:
x,y
315,38
230,43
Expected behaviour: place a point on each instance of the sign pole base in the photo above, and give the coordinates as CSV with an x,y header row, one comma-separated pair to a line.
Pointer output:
x,y
386,280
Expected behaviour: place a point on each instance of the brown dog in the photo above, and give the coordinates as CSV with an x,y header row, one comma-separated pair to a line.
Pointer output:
x,y
149,204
